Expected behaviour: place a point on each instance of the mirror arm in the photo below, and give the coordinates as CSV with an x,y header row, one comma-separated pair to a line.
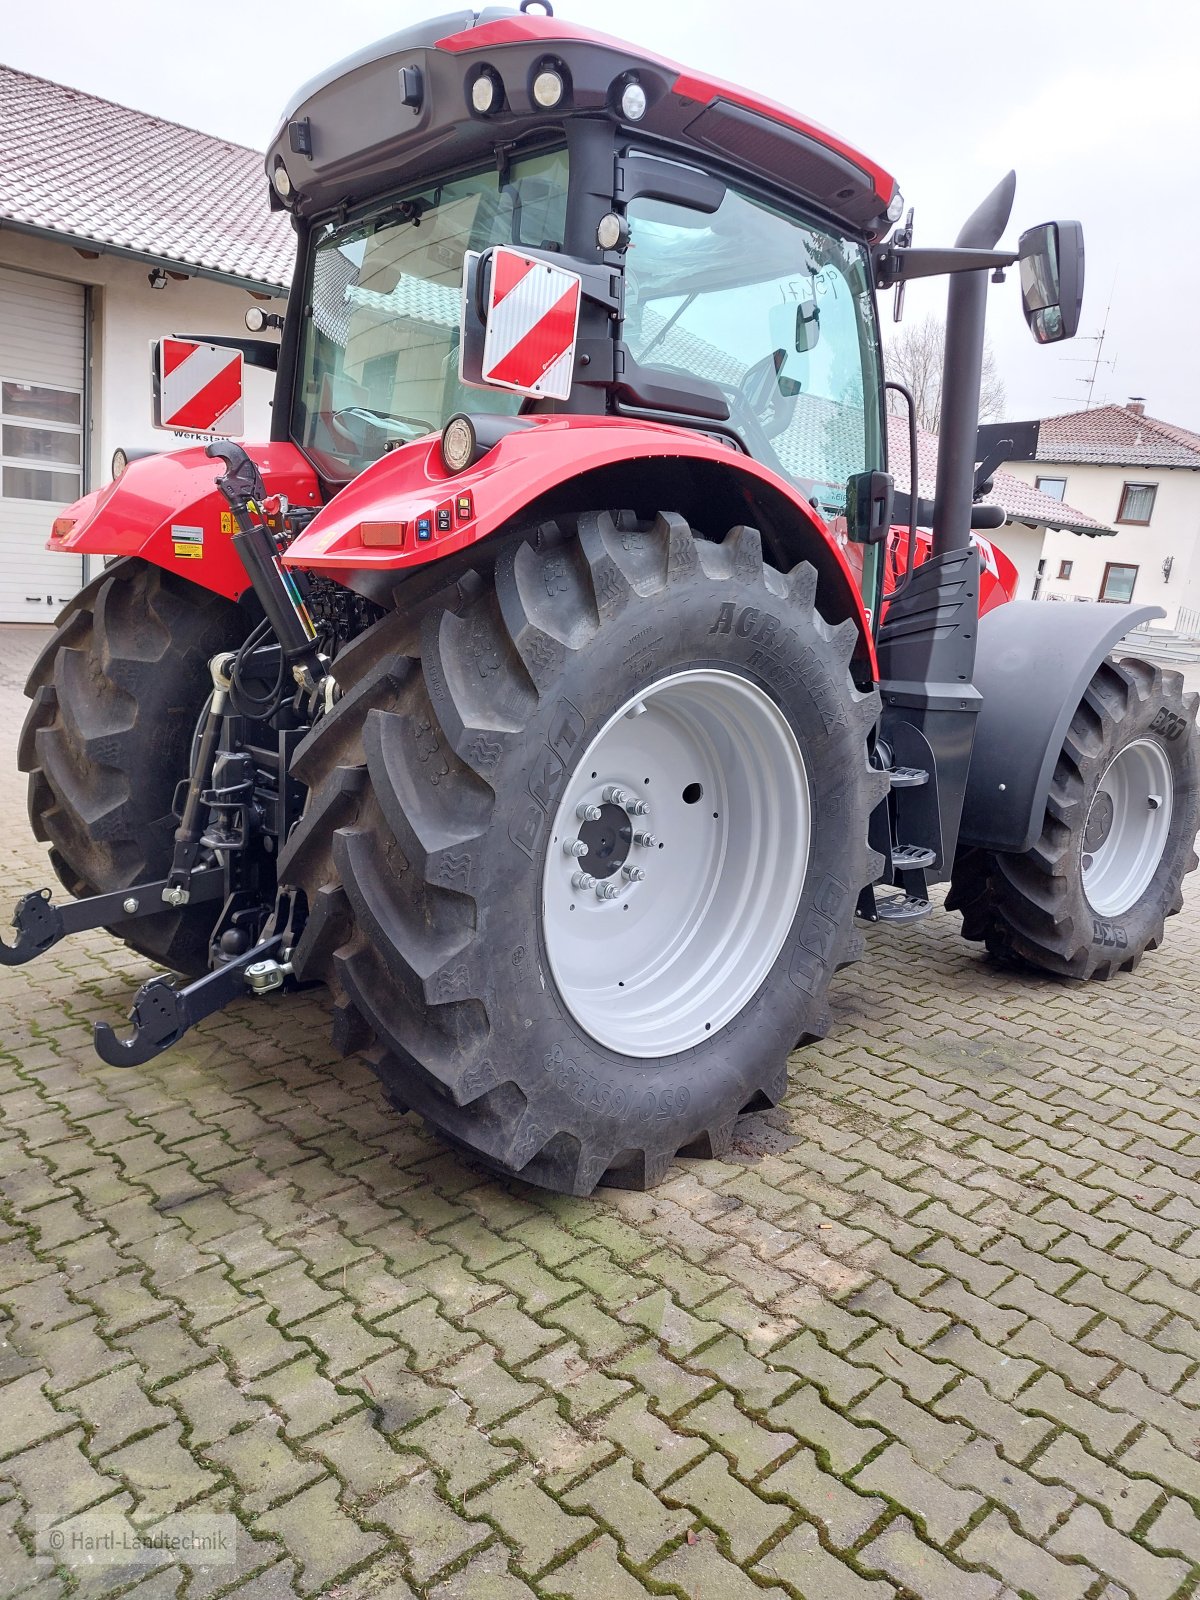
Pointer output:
x,y
899,266
255,352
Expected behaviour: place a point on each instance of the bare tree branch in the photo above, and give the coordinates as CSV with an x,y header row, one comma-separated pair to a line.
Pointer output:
x,y
913,356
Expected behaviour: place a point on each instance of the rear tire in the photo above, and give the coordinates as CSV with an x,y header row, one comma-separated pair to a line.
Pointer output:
x,y
116,695
428,849
1093,894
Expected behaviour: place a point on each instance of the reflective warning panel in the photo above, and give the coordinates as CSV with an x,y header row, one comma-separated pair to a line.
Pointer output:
x,y
197,387
532,326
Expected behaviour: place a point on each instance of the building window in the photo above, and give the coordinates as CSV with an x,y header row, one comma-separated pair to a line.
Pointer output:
x,y
1137,503
1056,488
1118,582
1064,568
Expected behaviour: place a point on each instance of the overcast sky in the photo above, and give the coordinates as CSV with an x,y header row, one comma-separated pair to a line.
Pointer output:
x,y
1094,102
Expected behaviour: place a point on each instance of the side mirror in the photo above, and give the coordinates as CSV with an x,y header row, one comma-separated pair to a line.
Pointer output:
x,y
197,387
869,497
1051,259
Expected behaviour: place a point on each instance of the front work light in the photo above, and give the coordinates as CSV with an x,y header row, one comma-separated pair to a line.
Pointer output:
x,y
895,208
548,88
487,92
633,101
283,184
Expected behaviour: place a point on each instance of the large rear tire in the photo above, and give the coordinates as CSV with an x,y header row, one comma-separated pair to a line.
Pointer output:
x,y
435,852
116,695
1118,838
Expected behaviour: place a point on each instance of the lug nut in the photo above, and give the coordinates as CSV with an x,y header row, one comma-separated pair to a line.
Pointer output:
x,y
634,874
607,891
639,808
587,813
646,840
574,847
616,796
582,880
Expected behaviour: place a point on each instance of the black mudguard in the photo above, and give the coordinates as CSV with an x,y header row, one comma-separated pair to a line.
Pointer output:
x,y
1033,663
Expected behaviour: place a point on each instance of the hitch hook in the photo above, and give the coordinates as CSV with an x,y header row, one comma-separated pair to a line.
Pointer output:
x,y
39,926
161,1014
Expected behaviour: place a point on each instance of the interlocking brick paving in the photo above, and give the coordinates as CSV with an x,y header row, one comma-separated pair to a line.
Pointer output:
x,y
932,1330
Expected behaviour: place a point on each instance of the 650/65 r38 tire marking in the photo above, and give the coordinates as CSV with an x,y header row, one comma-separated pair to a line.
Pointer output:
x,y
433,828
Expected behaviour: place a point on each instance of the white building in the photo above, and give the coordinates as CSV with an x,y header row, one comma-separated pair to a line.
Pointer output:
x,y
115,229
1031,517
1139,475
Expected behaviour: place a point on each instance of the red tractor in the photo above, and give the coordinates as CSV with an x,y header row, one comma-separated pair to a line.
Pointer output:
x,y
539,688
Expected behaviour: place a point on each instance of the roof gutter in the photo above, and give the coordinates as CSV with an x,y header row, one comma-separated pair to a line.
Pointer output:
x,y
1093,532
101,247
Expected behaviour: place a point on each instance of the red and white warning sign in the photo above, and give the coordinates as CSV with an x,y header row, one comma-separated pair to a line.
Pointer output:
x,y
532,326
198,387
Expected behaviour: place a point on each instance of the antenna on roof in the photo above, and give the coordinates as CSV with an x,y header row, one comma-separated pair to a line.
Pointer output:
x,y
1097,363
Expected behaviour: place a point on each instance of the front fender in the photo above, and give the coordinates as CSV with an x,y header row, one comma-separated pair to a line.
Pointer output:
x,y
1033,663
406,510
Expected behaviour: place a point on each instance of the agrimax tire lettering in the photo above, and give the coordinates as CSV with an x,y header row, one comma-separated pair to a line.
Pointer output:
x,y
783,661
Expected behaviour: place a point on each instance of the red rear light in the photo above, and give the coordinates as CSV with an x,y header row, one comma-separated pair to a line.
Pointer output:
x,y
62,527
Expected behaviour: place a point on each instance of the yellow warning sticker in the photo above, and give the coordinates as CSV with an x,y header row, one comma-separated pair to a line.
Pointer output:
x,y
227,522
188,542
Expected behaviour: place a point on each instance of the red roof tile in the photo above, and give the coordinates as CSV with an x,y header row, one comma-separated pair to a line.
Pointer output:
x,y
1020,501
1117,436
74,164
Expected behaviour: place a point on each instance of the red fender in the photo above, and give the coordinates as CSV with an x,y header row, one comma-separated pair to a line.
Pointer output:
x,y
998,576
166,509
406,510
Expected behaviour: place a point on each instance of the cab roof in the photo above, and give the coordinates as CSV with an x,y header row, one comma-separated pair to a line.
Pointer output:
x,y
362,138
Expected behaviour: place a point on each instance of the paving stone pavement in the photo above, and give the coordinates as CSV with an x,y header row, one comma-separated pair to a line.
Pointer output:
x,y
932,1330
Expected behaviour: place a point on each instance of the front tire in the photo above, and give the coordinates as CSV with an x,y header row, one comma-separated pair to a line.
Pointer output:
x,y
116,694
443,790
1093,894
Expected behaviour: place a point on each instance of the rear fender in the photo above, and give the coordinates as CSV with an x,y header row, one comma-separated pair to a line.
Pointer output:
x,y
561,464
166,509
1032,665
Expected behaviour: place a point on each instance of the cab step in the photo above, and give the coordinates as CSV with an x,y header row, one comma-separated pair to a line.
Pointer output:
x,y
908,777
912,857
902,908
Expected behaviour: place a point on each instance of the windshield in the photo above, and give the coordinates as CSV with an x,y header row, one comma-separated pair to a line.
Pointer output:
x,y
780,316
379,344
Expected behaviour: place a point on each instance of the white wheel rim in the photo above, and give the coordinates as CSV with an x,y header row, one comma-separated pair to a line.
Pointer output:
x,y
669,959
1128,825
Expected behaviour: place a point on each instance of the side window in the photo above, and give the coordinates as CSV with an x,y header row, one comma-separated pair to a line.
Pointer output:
x,y
778,315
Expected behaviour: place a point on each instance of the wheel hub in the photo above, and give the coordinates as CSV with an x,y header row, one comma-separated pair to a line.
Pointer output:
x,y
1099,822
1127,828
676,861
609,839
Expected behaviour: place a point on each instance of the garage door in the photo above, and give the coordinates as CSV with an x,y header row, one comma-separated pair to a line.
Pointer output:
x,y
41,440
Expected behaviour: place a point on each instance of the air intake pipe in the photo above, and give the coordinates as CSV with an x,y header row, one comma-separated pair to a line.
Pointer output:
x,y
966,309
